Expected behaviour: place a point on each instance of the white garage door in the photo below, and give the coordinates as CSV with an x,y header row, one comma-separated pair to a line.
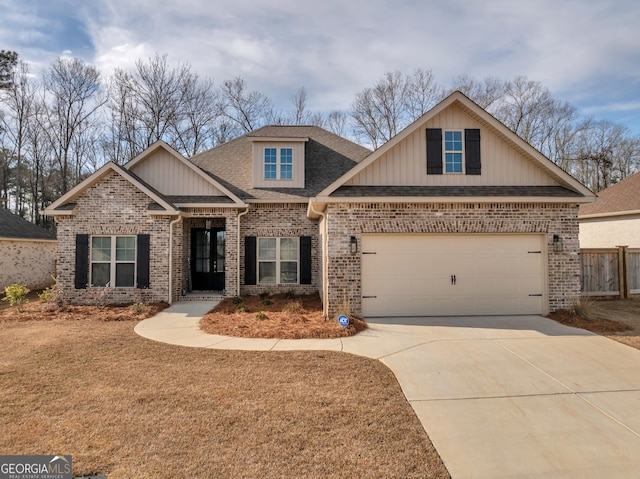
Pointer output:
x,y
444,275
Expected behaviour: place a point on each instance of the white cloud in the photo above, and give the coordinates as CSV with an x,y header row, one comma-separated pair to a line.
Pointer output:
x,y
580,49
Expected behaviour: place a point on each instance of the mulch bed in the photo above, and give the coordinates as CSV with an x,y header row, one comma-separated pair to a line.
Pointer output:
x,y
597,325
45,311
277,316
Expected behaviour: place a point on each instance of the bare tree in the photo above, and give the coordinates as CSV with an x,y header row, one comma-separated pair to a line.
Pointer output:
x,y
74,99
247,110
486,92
17,95
380,112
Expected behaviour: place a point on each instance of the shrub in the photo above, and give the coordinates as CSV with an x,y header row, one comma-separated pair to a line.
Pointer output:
x,y
16,294
138,307
266,302
261,315
264,294
47,294
294,311
583,307
290,294
237,300
242,308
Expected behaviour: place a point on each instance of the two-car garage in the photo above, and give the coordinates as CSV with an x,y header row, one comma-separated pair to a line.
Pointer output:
x,y
453,274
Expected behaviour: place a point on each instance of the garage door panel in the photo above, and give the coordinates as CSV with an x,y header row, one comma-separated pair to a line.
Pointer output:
x,y
412,274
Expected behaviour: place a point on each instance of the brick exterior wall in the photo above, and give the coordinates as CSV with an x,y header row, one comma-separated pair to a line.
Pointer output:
x,y
354,219
32,263
280,220
113,206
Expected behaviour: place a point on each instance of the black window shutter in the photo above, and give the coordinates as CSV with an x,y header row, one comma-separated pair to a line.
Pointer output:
x,y
82,261
434,151
305,260
472,151
249,260
143,247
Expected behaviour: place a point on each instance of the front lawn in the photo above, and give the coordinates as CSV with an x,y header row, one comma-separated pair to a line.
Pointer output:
x,y
129,408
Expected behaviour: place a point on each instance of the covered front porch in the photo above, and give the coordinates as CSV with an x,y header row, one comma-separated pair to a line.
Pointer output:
x,y
206,244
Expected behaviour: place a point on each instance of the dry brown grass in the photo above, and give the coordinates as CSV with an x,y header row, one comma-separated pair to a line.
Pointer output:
x,y
616,319
277,316
132,408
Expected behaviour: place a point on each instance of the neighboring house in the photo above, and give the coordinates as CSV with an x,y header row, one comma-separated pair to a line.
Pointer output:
x,y
454,215
27,253
615,219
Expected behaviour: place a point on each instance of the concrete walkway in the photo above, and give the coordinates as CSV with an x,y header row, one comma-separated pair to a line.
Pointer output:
x,y
516,396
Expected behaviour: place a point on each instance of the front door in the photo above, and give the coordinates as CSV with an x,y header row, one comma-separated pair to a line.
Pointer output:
x,y
207,259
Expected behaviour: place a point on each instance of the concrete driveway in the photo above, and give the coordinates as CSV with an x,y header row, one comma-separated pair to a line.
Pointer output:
x,y
515,396
518,396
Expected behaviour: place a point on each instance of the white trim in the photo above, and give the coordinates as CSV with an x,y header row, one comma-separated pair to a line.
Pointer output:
x,y
452,199
609,215
113,262
278,139
28,240
461,152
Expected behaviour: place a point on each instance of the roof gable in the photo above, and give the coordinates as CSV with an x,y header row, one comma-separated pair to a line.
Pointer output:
x,y
507,160
167,171
619,199
63,205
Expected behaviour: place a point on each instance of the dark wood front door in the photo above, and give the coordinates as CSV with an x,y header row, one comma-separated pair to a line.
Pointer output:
x,y
207,259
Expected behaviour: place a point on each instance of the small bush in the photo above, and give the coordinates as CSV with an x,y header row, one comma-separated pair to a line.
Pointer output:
x,y
138,307
290,294
16,294
261,315
267,302
47,294
237,300
583,307
242,308
264,295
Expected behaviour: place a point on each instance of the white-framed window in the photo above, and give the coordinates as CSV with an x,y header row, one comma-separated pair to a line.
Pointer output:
x,y
113,261
278,260
278,163
453,151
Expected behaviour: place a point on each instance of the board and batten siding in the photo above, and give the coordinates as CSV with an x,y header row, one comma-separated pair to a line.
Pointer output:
x,y
406,163
172,177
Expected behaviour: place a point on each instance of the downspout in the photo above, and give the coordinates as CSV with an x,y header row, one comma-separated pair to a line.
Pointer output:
x,y
178,219
242,213
325,266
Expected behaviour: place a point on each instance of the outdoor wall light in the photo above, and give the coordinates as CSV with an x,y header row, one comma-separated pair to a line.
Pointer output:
x,y
208,224
354,245
557,244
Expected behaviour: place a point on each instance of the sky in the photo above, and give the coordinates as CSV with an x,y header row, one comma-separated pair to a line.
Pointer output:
x,y
587,52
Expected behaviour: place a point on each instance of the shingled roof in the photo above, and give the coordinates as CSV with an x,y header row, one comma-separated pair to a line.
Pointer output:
x,y
623,197
13,226
327,157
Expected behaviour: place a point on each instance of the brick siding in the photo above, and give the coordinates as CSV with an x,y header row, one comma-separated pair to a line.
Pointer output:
x,y
354,219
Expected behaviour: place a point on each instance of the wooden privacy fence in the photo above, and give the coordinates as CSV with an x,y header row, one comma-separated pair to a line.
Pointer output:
x,y
610,271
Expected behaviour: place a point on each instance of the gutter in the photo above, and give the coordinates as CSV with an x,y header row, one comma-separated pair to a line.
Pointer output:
x,y
325,266
242,213
177,220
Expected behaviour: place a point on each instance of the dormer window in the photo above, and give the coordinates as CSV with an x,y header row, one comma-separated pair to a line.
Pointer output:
x,y
278,163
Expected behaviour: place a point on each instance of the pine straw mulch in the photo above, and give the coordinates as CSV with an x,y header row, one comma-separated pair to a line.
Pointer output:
x,y
48,311
278,316
617,319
